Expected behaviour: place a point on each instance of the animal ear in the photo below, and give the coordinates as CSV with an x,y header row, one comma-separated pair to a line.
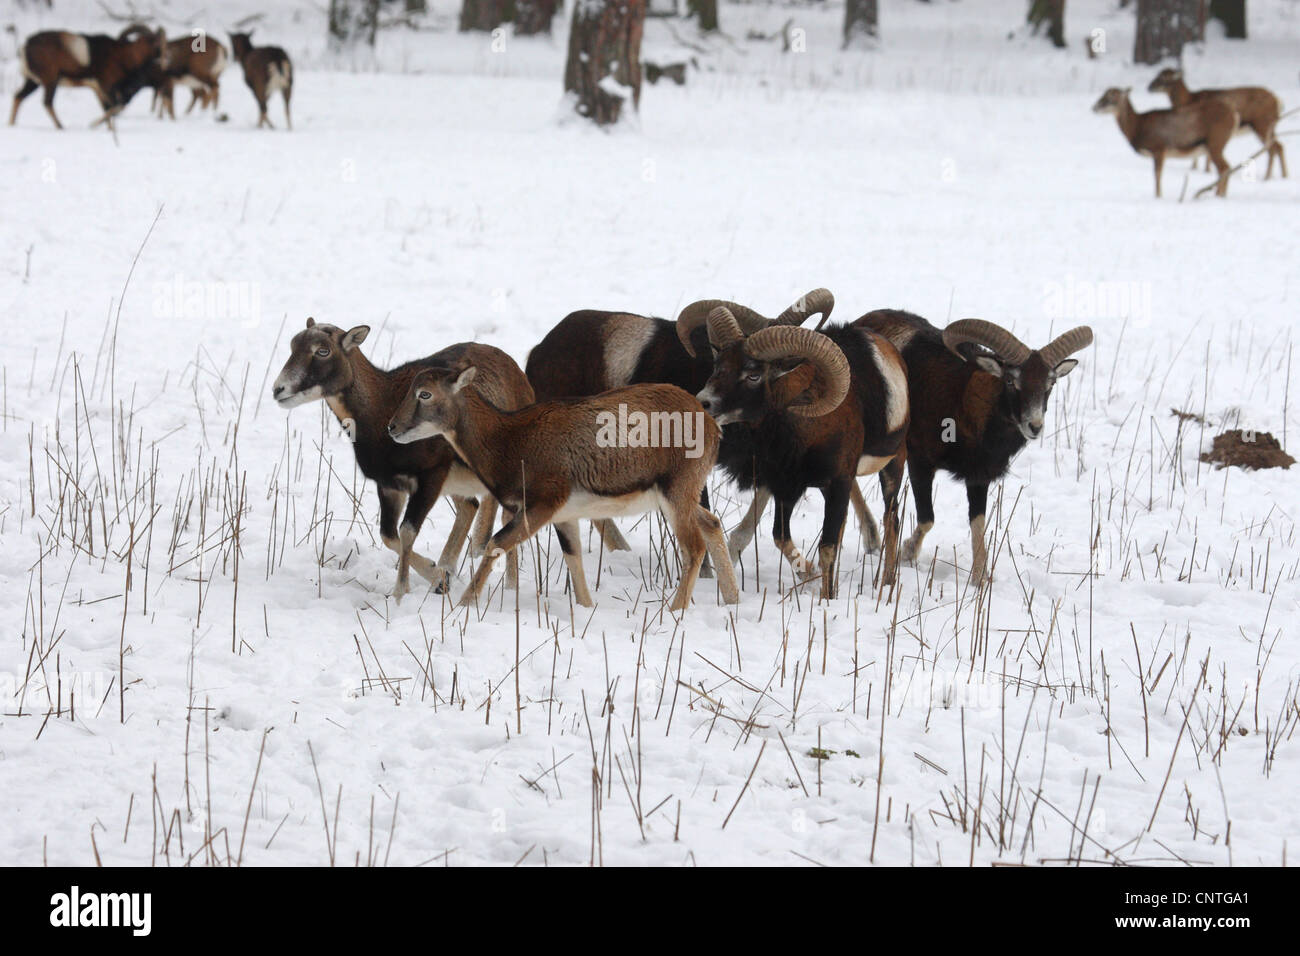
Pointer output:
x,y
310,322
1065,368
464,378
788,388
354,337
987,363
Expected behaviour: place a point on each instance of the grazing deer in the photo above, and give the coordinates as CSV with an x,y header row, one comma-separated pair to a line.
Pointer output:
x,y
1258,108
1203,127
114,67
266,69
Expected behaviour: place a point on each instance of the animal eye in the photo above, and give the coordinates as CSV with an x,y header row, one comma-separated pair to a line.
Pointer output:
x,y
425,395
753,378
323,352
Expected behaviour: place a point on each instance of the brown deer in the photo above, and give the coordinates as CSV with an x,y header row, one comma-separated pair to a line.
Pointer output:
x,y
1258,108
195,62
266,69
1203,127
114,67
556,462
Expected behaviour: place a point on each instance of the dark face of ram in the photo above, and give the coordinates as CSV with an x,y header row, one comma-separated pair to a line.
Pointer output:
x,y
745,389
1025,389
431,407
318,366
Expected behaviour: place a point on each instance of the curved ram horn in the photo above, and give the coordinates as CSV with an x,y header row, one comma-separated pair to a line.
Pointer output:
x,y
817,302
1065,344
792,342
724,330
996,339
697,314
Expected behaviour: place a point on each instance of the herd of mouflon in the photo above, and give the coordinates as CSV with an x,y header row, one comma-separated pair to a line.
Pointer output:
x,y
116,68
617,414
1197,124
780,408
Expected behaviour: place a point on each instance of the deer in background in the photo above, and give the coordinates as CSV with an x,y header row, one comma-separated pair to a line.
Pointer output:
x,y
266,69
195,62
1202,127
114,67
1258,108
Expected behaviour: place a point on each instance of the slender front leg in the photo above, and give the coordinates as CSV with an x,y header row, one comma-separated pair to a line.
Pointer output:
x,y
613,538
706,568
891,483
487,517
427,487
784,542
836,510
977,497
866,523
744,533
922,494
521,526
465,511
571,545
716,546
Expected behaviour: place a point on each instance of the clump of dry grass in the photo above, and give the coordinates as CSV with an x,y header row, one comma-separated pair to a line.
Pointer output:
x,y
1247,450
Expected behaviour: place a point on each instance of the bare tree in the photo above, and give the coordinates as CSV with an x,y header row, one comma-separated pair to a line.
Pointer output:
x,y
1049,14
485,15
861,22
604,64
705,13
1163,27
534,16
1232,13
352,22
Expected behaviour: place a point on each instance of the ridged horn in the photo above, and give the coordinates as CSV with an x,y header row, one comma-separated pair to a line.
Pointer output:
x,y
724,330
697,314
996,339
817,302
1067,343
786,341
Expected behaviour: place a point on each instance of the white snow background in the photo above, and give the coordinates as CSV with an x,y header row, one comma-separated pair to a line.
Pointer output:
x,y
1126,691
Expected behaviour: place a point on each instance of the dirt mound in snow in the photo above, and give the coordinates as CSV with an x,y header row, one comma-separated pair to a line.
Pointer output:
x,y
1247,450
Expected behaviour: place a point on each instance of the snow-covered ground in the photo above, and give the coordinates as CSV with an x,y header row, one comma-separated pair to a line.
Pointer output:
x,y
1125,691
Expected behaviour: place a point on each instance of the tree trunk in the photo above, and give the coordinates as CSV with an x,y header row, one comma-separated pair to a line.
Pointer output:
x,y
705,13
352,22
1163,27
484,15
861,22
533,16
604,64
1049,13
1233,15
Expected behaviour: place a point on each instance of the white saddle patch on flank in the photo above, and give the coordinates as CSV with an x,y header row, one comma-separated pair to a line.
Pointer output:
x,y
895,392
77,48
